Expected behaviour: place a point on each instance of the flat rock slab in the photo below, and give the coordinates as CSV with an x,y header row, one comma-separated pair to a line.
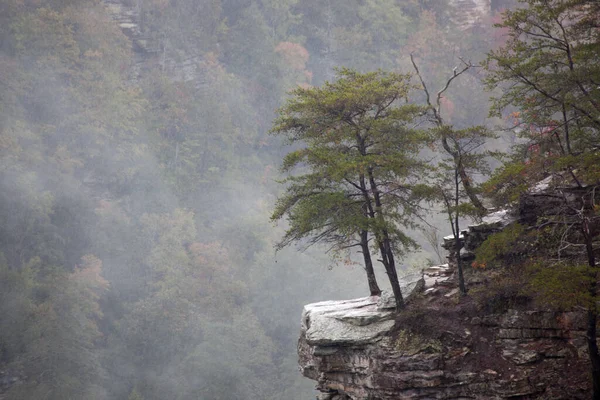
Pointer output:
x,y
355,322
345,322
361,321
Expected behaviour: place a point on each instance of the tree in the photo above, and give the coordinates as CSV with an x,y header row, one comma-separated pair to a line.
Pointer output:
x,y
327,213
280,18
359,177
467,145
358,34
447,135
461,159
550,64
56,346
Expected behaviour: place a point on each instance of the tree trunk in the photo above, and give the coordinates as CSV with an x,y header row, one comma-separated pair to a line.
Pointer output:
x,y
593,350
364,244
390,268
457,242
385,246
470,191
591,336
382,237
461,277
464,177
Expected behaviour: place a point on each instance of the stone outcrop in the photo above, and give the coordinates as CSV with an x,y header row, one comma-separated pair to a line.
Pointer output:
x,y
441,347
467,13
350,322
354,322
472,237
515,355
150,51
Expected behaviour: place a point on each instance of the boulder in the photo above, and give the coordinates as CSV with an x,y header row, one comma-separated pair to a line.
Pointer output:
x,y
345,322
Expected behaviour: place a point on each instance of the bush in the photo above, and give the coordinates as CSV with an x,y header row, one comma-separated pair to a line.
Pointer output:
x,y
501,293
505,246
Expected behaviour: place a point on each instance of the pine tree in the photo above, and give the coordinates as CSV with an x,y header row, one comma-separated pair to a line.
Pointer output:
x,y
358,178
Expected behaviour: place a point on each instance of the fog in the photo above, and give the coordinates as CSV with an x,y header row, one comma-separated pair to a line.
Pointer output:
x,y
137,181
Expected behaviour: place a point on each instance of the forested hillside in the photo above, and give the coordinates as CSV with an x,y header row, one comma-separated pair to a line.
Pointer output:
x,y
136,252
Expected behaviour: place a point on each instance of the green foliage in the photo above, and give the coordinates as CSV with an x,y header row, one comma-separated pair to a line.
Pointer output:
x,y
358,34
15,306
280,17
352,129
586,166
502,292
361,162
58,331
114,171
501,246
561,285
550,65
507,183
548,69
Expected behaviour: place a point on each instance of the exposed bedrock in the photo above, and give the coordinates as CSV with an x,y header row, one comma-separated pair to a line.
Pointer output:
x,y
356,350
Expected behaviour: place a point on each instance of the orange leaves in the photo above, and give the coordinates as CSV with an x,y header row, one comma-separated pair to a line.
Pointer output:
x,y
213,252
515,118
294,54
211,261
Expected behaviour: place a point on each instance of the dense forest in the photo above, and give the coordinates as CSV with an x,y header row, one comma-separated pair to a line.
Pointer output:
x,y
138,178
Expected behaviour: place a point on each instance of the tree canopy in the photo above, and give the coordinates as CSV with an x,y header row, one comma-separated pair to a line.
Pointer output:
x,y
549,77
358,175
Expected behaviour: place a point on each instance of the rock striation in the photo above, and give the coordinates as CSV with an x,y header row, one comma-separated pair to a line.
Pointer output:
x,y
443,348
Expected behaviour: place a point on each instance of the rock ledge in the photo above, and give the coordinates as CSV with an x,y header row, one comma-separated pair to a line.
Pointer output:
x,y
356,350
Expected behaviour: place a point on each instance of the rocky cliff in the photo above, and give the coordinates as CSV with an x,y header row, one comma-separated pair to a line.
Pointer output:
x,y
467,13
443,347
150,51
442,351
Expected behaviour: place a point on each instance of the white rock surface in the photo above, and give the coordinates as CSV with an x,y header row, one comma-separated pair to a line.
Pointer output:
x,y
436,275
542,185
348,322
361,321
502,217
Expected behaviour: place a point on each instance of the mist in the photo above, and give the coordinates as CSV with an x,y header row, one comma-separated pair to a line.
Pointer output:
x,y
138,177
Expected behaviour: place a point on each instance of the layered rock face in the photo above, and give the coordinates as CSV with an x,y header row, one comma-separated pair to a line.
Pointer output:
x,y
150,51
472,237
441,349
470,12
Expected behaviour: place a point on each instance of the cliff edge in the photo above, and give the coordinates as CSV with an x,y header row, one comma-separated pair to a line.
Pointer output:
x,y
443,347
